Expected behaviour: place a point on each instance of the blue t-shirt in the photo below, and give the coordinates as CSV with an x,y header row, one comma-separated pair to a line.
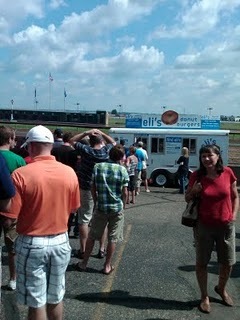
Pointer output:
x,y
7,189
141,157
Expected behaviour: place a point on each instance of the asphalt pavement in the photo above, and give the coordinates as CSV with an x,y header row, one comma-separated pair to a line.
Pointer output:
x,y
154,277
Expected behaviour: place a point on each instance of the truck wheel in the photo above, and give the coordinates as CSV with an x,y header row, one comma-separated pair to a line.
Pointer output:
x,y
161,178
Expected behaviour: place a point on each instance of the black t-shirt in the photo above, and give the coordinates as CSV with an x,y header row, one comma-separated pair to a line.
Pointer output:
x,y
184,167
66,154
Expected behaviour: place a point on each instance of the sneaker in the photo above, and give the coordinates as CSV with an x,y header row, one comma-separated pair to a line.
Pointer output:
x,y
12,285
137,193
147,190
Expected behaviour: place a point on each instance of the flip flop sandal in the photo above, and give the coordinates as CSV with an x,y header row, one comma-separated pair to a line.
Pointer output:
x,y
109,272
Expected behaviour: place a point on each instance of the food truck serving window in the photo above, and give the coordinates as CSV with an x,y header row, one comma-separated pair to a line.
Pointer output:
x,y
143,139
190,144
157,145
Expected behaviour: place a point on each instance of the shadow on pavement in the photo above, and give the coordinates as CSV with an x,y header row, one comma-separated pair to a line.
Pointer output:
x,y
213,268
123,298
72,267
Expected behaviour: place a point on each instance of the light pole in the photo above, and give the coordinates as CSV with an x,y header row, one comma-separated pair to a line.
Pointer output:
x,y
77,104
12,102
209,110
120,109
163,108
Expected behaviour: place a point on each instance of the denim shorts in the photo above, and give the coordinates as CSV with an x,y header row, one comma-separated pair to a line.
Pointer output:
x,y
85,212
221,236
114,221
41,263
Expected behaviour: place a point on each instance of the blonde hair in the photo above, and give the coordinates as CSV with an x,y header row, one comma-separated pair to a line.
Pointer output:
x,y
185,152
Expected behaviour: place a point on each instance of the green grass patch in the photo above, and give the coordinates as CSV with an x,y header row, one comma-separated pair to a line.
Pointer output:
x,y
114,122
230,125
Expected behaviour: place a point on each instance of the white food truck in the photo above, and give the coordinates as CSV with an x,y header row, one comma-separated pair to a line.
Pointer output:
x,y
164,148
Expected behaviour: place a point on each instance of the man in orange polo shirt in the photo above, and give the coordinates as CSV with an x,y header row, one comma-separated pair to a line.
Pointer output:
x,y
47,192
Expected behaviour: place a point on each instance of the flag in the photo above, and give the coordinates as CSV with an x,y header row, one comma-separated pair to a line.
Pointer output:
x,y
35,93
65,93
50,77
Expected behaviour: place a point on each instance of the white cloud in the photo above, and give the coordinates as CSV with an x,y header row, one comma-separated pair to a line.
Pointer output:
x,y
105,18
198,18
103,59
55,4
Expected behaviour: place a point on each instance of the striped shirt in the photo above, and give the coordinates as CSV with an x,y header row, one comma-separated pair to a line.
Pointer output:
x,y
89,157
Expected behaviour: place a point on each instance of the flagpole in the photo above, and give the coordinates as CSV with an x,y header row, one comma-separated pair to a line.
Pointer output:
x,y
50,89
49,93
64,99
35,98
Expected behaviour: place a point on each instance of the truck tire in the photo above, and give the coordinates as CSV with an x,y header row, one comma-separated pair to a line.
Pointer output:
x,y
161,178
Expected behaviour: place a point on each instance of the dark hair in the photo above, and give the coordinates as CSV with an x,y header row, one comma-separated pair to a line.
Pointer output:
x,y
58,133
211,148
132,149
95,139
6,133
85,141
67,136
122,142
116,153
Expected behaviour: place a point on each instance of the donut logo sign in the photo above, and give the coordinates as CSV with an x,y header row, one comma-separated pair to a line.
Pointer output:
x,y
169,117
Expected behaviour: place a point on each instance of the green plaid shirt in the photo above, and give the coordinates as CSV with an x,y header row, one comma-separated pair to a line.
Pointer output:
x,y
109,179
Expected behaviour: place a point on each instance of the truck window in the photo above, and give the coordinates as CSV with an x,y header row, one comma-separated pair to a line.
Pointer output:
x,y
190,144
143,139
157,145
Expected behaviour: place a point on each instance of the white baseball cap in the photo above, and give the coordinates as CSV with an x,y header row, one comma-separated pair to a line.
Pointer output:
x,y
38,134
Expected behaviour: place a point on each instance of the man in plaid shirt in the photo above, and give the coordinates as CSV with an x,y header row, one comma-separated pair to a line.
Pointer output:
x,y
110,181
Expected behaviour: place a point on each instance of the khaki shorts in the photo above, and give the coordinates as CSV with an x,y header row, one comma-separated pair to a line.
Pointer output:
x,y
10,234
114,221
85,212
224,239
139,179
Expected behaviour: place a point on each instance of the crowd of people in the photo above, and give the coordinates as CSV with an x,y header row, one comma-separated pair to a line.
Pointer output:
x,y
89,179
51,180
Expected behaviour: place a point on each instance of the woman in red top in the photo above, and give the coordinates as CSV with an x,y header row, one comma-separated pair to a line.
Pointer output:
x,y
216,188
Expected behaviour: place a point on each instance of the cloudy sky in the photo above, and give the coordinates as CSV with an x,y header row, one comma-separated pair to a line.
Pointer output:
x,y
133,55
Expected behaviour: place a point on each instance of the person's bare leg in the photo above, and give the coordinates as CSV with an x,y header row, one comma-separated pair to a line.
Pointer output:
x,y
37,313
110,251
103,240
11,265
224,274
88,251
83,232
146,184
133,196
138,182
202,277
55,311
128,197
